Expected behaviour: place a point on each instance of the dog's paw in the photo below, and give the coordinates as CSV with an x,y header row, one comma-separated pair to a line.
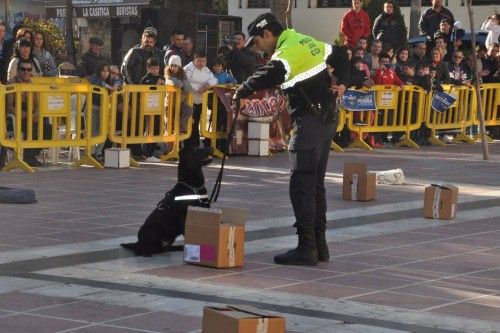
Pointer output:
x,y
129,246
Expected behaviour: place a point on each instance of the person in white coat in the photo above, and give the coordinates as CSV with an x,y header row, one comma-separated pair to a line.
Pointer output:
x,y
492,26
201,79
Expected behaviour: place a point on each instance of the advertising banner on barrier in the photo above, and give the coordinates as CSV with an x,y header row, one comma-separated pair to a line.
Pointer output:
x,y
442,101
354,100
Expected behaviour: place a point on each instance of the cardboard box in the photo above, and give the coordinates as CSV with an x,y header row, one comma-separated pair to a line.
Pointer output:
x,y
117,158
258,147
215,237
440,201
257,130
240,319
358,184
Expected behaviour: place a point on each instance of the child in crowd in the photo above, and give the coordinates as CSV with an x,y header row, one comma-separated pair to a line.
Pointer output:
x,y
99,78
152,76
408,74
116,77
220,73
384,74
201,79
175,75
360,77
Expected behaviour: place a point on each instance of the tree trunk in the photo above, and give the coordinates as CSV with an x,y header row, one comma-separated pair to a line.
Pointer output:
x,y
415,9
480,114
7,15
69,39
279,9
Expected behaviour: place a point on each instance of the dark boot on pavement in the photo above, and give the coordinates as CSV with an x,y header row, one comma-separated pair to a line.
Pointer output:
x,y
321,246
304,254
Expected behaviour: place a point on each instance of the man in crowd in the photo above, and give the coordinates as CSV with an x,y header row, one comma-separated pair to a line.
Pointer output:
x,y
299,68
187,50
355,24
23,75
386,27
134,64
420,54
242,60
432,17
175,47
372,58
459,73
3,29
93,57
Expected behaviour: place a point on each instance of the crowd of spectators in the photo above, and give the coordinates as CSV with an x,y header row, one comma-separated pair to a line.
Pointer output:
x,y
442,58
376,51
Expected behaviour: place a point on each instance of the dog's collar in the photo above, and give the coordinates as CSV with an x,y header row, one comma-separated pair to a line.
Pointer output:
x,y
193,189
191,197
195,196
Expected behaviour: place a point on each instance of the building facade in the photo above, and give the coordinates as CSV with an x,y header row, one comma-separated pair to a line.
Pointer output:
x,y
322,18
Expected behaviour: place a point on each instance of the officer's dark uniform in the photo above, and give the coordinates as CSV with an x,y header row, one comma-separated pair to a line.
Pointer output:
x,y
313,113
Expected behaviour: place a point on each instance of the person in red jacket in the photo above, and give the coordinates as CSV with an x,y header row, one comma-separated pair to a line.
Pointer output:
x,y
355,24
385,75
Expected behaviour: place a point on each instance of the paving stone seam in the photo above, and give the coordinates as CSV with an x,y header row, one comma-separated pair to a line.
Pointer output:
x,y
266,298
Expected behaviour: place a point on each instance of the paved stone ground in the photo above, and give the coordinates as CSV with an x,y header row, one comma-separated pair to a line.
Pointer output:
x,y
61,269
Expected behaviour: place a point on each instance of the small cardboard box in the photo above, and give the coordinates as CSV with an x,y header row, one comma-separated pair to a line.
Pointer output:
x,y
215,237
117,158
240,319
257,130
440,201
258,147
358,184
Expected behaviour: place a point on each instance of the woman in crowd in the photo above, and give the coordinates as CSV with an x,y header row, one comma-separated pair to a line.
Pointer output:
x,y
46,60
402,57
442,74
22,50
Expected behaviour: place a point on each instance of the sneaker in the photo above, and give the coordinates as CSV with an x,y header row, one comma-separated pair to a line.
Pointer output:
x,y
153,159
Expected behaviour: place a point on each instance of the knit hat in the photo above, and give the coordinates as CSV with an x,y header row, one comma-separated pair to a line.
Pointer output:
x,y
175,60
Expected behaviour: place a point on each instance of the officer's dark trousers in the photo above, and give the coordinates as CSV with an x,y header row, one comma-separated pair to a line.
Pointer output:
x,y
309,149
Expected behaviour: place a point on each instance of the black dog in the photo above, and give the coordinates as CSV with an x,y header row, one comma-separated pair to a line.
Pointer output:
x,y
167,221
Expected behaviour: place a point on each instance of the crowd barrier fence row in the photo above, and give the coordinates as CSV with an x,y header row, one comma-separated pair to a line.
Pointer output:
x,y
79,114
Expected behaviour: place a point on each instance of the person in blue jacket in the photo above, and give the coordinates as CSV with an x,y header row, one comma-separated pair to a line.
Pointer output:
x,y
220,73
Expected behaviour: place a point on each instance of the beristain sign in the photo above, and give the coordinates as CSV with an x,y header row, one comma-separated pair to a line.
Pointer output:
x,y
96,8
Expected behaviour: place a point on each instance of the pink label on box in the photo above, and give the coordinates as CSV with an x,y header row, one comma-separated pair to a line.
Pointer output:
x,y
207,252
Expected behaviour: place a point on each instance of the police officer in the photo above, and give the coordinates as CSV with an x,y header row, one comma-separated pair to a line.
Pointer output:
x,y
302,66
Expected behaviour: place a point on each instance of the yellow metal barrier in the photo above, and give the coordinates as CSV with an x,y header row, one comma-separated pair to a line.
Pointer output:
x,y
397,111
211,129
490,98
36,106
58,80
148,114
342,117
459,116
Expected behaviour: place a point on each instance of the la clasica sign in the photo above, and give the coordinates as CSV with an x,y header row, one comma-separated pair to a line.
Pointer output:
x,y
96,8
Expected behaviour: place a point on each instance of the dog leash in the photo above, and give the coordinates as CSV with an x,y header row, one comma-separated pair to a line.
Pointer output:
x,y
229,140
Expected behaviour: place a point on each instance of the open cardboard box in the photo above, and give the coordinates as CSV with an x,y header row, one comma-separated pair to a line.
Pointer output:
x,y
240,319
215,237
358,183
440,201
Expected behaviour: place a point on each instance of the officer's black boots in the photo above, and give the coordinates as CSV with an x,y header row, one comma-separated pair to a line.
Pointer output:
x,y
304,254
321,246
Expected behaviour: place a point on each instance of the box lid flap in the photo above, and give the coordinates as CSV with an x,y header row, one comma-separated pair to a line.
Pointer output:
x,y
203,216
236,216
446,186
352,167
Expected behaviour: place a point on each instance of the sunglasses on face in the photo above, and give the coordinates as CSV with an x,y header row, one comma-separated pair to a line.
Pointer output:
x,y
25,69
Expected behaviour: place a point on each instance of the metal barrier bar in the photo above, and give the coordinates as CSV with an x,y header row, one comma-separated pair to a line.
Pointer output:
x,y
490,97
141,107
210,129
397,111
340,126
49,105
458,117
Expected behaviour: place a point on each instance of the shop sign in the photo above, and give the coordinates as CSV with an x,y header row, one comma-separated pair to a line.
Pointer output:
x,y
96,11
